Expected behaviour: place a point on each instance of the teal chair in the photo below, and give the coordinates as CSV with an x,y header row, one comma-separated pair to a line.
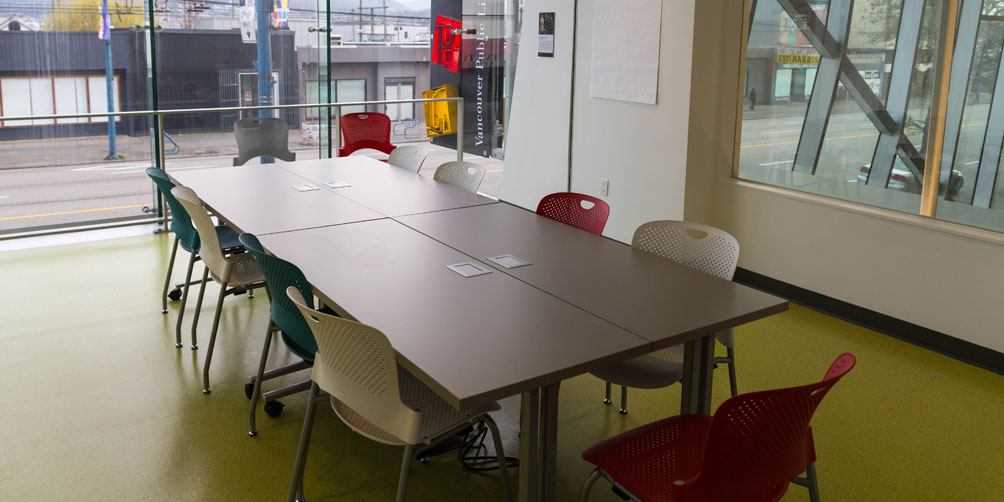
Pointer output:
x,y
285,317
188,237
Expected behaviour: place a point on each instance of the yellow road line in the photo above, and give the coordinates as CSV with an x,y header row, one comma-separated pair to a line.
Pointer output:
x,y
75,211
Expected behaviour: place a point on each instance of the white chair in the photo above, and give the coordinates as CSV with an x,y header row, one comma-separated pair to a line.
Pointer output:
x,y
357,366
238,272
705,248
466,175
409,158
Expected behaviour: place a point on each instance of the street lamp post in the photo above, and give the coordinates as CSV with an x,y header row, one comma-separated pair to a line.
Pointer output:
x,y
106,35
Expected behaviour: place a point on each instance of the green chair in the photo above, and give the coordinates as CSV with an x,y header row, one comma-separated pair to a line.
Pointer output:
x,y
185,233
285,317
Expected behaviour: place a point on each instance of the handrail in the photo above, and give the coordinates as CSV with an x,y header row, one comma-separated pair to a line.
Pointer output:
x,y
161,161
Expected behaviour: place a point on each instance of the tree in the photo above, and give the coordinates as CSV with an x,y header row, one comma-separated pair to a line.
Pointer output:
x,y
83,15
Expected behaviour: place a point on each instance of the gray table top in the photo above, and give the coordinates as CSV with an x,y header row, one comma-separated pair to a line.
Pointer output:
x,y
383,188
657,299
472,340
260,199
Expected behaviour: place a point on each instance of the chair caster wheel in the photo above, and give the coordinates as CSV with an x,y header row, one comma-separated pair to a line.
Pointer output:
x,y
607,401
622,411
195,347
273,408
252,433
174,295
163,311
206,391
249,391
179,345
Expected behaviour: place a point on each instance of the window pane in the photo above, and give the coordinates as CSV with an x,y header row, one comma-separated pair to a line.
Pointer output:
x,y
41,99
351,91
16,100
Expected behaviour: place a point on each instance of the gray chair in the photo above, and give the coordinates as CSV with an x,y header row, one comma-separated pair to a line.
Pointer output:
x,y
263,136
409,158
704,248
466,175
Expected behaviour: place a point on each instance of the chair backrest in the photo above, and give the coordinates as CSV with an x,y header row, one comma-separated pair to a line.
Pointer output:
x,y
210,250
280,275
365,130
408,157
466,175
262,136
761,439
357,365
711,250
181,224
569,208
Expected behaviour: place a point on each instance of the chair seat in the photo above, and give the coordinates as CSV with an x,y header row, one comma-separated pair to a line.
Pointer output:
x,y
658,369
649,461
243,272
228,239
438,417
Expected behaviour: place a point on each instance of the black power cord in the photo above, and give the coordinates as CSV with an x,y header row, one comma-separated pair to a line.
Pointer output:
x,y
472,453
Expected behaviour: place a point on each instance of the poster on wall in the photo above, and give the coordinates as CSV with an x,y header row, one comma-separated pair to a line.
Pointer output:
x,y
545,34
625,50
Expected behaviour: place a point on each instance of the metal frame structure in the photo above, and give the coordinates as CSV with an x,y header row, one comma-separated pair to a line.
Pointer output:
x,y
159,159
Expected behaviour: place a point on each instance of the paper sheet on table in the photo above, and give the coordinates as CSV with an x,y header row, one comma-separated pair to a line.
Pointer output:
x,y
625,59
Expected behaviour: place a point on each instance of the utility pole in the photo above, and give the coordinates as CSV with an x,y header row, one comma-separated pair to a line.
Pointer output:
x,y
106,34
264,8
360,21
384,20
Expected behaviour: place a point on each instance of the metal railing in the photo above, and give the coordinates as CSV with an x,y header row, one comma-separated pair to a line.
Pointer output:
x,y
161,161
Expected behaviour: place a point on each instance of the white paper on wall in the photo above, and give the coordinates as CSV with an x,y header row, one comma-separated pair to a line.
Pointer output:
x,y
625,52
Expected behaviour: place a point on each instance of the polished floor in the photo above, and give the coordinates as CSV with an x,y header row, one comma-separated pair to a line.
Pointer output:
x,y
100,405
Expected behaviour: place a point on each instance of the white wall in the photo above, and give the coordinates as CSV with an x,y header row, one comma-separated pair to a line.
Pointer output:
x,y
641,149
536,157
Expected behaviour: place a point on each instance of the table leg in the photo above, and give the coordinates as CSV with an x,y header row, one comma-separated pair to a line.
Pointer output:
x,y
529,435
698,365
548,442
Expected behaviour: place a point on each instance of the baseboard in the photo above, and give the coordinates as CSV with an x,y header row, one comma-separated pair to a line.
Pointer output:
x,y
950,346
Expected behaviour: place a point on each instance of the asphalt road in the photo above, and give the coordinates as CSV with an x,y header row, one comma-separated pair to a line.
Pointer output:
x,y
40,196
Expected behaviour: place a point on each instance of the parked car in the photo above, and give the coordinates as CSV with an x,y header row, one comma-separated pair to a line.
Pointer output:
x,y
904,180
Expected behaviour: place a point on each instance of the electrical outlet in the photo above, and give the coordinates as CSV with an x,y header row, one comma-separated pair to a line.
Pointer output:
x,y
604,187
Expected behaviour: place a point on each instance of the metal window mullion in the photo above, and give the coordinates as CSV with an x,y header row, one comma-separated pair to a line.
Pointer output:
x,y
824,88
899,91
986,175
962,62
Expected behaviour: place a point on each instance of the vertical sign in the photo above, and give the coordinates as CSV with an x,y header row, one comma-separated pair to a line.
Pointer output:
x,y
249,20
545,34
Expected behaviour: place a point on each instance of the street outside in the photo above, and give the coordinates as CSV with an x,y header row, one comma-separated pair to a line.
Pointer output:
x,y
67,180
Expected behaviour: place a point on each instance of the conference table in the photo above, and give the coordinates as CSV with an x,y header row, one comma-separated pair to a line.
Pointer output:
x,y
572,302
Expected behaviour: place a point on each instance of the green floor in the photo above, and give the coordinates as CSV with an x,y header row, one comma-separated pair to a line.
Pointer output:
x,y
99,405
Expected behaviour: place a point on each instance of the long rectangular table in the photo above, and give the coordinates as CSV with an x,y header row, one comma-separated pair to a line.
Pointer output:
x,y
583,303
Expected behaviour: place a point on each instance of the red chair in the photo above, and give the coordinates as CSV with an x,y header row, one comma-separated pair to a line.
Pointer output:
x,y
365,130
750,450
567,208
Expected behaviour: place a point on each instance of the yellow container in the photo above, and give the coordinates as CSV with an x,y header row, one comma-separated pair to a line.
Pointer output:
x,y
440,116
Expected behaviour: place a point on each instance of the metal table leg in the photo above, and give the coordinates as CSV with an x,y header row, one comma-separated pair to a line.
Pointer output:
x,y
698,365
528,447
538,444
548,443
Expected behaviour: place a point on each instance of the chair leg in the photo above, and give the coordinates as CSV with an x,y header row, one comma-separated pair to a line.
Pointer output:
x,y
167,281
184,301
296,485
402,480
733,385
256,394
588,485
606,398
623,410
198,308
212,337
500,454
810,473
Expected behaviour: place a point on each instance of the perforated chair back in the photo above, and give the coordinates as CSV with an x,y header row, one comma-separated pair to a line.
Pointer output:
x,y
181,223
263,136
210,250
711,250
570,208
279,275
365,130
466,175
762,438
357,365
408,157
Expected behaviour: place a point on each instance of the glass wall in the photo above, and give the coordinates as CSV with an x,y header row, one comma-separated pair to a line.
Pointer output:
x,y
844,110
